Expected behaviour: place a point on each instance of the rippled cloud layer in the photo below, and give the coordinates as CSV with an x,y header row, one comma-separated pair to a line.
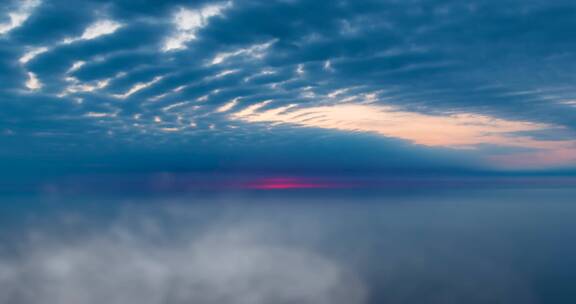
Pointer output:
x,y
494,77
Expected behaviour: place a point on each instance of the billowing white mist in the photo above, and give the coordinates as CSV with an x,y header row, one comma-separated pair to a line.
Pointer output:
x,y
236,263
264,252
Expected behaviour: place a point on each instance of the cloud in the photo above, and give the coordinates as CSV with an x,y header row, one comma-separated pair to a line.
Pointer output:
x,y
33,83
220,263
253,251
464,69
95,30
228,106
451,131
17,17
31,54
139,86
188,22
254,51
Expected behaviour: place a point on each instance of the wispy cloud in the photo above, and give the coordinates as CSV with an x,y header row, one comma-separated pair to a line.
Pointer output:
x,y
455,131
188,22
460,131
17,17
31,54
137,87
96,30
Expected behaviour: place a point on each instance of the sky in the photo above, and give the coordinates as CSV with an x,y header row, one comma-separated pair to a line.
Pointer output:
x,y
299,86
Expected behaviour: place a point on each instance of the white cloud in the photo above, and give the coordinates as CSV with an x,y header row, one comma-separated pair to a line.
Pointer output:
x,y
99,115
228,106
173,106
100,28
95,30
33,83
337,93
19,16
300,69
188,22
77,87
264,72
328,66
170,129
203,98
32,54
224,73
76,66
256,51
137,87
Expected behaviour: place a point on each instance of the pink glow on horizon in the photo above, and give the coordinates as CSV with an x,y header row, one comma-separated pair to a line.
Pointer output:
x,y
292,183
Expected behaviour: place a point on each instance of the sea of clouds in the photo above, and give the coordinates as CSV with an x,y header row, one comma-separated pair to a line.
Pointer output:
x,y
141,259
265,252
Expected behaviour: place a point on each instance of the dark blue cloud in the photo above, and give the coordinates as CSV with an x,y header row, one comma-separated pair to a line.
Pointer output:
x,y
124,92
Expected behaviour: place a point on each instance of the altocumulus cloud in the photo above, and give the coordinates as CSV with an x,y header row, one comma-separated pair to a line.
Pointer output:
x,y
494,77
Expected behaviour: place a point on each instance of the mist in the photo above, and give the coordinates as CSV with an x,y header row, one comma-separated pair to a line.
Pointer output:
x,y
277,249
138,259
